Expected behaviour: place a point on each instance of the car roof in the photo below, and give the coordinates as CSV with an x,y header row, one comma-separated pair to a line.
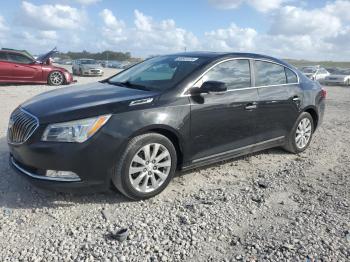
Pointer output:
x,y
223,55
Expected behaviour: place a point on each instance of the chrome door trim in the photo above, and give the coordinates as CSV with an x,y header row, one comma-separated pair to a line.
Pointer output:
x,y
238,149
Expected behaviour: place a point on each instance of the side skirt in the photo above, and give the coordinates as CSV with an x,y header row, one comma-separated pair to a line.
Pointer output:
x,y
275,142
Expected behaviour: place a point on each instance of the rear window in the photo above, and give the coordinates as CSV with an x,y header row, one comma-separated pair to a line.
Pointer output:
x,y
267,73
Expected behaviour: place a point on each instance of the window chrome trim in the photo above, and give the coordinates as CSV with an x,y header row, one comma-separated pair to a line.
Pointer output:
x,y
183,94
57,179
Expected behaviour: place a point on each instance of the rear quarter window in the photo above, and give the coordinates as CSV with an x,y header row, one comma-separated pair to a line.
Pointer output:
x,y
291,76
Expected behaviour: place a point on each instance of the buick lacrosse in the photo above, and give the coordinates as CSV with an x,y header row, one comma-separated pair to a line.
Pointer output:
x,y
134,130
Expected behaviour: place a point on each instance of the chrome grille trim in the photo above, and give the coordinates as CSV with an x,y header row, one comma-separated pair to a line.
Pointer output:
x,y
22,125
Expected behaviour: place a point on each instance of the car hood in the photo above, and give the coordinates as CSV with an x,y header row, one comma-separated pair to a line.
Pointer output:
x,y
83,101
43,58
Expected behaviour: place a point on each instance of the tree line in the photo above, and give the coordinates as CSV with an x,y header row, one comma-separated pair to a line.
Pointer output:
x,y
105,55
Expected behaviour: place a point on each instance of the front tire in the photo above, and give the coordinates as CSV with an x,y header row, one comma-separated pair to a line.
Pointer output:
x,y
146,167
300,137
56,78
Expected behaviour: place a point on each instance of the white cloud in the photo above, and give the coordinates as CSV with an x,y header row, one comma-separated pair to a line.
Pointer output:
x,y
232,38
48,16
292,20
319,33
148,36
3,26
259,5
87,2
113,29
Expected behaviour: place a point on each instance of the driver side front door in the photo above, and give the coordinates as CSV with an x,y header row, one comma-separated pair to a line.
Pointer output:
x,y
224,124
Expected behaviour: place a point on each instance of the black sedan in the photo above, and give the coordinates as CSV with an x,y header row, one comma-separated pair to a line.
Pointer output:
x,y
168,113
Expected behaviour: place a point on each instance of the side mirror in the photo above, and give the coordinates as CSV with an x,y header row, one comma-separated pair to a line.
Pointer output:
x,y
213,87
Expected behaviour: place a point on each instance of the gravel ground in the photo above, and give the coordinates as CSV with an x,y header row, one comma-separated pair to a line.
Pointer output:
x,y
269,206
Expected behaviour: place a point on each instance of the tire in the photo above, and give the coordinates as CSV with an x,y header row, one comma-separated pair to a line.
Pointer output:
x,y
291,142
144,181
56,78
80,72
348,82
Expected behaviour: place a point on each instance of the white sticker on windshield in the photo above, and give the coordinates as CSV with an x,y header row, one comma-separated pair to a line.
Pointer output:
x,y
186,59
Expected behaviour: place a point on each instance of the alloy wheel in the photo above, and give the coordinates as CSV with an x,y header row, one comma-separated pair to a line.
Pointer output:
x,y
303,133
56,78
150,167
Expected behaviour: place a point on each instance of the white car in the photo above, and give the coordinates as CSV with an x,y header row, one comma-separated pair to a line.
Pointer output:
x,y
315,73
337,80
87,67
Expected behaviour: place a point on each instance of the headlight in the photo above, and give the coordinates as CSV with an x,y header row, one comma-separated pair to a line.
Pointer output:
x,y
74,131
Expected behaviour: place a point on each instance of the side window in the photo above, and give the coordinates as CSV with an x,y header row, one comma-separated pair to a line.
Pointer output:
x,y
267,73
17,58
3,56
235,74
291,76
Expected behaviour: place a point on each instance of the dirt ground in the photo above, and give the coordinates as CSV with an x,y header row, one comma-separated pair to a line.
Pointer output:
x,y
269,206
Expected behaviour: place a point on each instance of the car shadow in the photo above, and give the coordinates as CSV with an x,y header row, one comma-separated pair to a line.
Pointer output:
x,y
275,150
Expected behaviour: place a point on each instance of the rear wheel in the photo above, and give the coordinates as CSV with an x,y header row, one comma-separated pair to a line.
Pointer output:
x,y
300,136
56,78
146,167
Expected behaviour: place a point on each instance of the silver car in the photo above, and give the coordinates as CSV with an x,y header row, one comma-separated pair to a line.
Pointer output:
x,y
315,73
87,67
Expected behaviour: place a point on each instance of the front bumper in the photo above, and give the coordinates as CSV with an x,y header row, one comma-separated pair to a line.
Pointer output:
x,y
92,72
69,77
334,82
92,161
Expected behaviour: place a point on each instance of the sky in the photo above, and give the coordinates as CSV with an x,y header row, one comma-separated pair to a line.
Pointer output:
x,y
300,29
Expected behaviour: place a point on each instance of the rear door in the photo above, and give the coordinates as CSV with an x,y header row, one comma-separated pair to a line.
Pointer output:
x,y
24,69
279,99
5,67
224,123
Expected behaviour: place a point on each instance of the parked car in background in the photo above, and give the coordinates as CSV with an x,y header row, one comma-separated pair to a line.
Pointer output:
x,y
181,111
315,73
65,62
17,66
87,67
337,80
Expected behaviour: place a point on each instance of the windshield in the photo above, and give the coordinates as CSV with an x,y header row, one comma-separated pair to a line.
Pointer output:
x,y
309,70
88,62
158,73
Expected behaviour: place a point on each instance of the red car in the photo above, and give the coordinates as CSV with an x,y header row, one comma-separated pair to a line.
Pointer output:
x,y
20,67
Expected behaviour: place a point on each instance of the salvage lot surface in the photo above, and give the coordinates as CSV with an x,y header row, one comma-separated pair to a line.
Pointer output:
x,y
266,206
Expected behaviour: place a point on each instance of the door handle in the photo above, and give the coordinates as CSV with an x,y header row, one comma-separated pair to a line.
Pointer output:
x,y
296,98
251,106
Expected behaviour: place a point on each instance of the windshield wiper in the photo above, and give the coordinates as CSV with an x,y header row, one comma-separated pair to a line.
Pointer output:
x,y
129,85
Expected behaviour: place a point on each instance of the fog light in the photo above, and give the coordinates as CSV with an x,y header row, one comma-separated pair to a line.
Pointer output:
x,y
62,175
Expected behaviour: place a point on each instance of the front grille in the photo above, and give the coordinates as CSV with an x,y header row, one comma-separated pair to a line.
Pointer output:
x,y
96,71
21,126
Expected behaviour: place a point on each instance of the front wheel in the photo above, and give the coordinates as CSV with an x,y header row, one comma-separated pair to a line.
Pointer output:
x,y
146,167
56,78
300,136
